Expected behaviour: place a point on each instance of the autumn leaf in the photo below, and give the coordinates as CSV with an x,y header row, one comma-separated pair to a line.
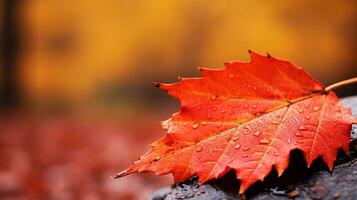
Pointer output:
x,y
247,117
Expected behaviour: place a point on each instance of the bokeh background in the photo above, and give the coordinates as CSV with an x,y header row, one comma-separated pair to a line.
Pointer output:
x,y
76,99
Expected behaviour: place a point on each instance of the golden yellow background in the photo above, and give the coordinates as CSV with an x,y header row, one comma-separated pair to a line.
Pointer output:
x,y
74,49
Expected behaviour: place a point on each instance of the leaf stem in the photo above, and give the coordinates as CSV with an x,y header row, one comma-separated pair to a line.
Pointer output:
x,y
341,84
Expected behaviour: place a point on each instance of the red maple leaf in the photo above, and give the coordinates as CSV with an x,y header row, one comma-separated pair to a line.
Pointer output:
x,y
247,117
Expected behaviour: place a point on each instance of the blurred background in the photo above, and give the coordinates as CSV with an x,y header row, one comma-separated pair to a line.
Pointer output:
x,y
76,99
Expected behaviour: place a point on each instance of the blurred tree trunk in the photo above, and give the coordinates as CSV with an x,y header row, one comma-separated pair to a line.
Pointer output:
x,y
9,90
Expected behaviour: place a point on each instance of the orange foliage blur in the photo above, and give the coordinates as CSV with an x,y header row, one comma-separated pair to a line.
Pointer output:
x,y
76,48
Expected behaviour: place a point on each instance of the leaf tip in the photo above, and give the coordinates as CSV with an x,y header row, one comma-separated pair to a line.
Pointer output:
x,y
253,55
121,174
242,189
156,84
203,69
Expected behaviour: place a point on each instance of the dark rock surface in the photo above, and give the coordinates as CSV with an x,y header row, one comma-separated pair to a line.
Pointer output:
x,y
297,182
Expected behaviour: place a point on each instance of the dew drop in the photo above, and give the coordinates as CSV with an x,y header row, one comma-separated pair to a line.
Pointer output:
x,y
235,138
275,122
316,108
290,141
302,128
254,106
300,141
231,75
199,149
298,134
157,158
300,110
254,88
276,154
219,125
195,125
257,133
245,155
264,141
246,148
307,117
215,149
246,130
204,123
237,146
199,108
222,111
213,97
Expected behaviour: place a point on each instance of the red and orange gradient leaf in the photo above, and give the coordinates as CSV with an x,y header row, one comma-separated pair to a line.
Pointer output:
x,y
247,117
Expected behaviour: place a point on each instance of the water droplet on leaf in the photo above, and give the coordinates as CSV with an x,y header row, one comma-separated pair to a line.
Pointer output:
x,y
245,155
290,141
199,149
264,141
275,122
257,133
246,148
235,138
298,134
195,125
